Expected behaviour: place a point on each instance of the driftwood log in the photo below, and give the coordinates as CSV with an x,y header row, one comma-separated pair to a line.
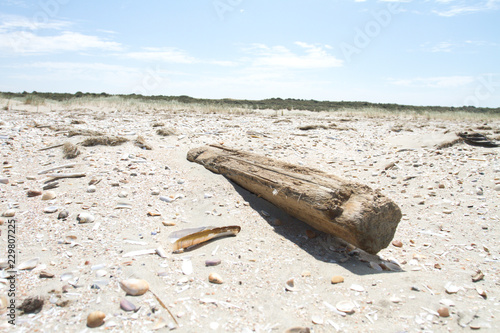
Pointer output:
x,y
354,212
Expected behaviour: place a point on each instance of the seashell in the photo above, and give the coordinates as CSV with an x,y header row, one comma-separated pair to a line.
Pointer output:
x,y
123,194
48,195
128,306
187,267
30,264
168,224
4,263
66,276
451,289
9,213
443,312
46,275
161,252
298,330
4,180
134,287
376,266
62,215
317,320
91,189
34,193
481,292
212,262
50,209
166,199
478,276
85,218
390,266
345,306
215,278
290,285
123,205
101,273
357,287
95,319
337,279
447,302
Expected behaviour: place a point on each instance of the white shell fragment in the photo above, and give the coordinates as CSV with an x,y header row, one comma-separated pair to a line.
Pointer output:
x,y
290,285
30,264
85,218
345,306
187,267
134,287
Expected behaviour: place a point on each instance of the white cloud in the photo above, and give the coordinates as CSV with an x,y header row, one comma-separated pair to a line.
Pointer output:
x,y
26,43
463,8
434,82
16,22
312,57
173,55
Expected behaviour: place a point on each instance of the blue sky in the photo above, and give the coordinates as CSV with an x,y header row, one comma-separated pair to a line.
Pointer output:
x,y
430,52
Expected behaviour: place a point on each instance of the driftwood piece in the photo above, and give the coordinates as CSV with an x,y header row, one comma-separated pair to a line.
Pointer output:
x,y
70,165
354,212
55,176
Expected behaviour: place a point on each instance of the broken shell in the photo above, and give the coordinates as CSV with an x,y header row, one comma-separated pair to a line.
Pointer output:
x,y
30,264
390,266
62,215
376,266
481,292
215,278
50,209
317,320
478,276
46,275
447,302
212,262
91,189
337,279
298,330
95,319
443,312
161,252
451,289
134,287
357,287
126,305
34,193
345,306
9,213
187,267
290,285
49,195
85,218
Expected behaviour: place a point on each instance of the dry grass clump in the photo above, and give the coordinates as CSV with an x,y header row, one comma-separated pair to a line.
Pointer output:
x,y
166,131
84,132
70,150
104,141
158,124
141,143
451,143
311,127
77,122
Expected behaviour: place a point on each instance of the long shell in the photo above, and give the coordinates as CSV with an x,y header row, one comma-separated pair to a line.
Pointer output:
x,y
199,237
134,287
215,278
29,264
95,319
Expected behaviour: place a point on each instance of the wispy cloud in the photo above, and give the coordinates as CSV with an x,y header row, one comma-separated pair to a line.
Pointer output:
x,y
459,7
29,43
309,56
434,82
10,23
447,46
166,54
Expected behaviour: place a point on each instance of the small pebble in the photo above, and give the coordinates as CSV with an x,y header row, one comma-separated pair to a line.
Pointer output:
x,y
48,195
397,243
91,189
62,215
215,278
337,279
310,234
497,187
4,180
443,312
123,194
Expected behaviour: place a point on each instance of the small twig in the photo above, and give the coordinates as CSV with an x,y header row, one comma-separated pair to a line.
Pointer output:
x,y
165,307
70,165
54,176
50,147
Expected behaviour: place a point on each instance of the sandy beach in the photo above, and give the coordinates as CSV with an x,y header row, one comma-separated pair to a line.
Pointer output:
x,y
440,274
